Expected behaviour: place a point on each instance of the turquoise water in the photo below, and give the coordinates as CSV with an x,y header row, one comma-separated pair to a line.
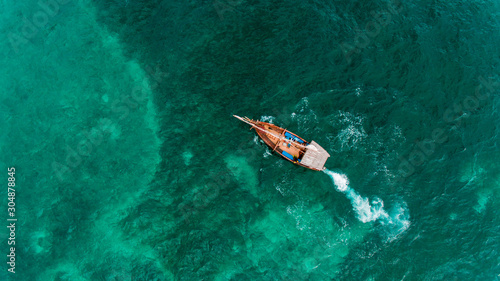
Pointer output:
x,y
117,117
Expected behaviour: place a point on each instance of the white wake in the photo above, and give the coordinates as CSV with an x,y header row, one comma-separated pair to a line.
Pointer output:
x,y
395,222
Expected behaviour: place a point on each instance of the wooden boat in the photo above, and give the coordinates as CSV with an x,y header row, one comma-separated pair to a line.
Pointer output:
x,y
290,146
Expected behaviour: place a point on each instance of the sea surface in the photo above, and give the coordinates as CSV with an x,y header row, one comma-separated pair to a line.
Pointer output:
x,y
117,117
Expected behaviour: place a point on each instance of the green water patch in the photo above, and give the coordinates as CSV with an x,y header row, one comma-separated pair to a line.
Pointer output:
x,y
88,122
245,174
480,176
303,240
187,155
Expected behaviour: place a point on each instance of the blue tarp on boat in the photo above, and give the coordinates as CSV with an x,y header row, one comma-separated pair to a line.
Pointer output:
x,y
288,155
292,137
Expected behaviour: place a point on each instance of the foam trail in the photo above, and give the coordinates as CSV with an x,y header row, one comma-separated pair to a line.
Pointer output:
x,y
396,222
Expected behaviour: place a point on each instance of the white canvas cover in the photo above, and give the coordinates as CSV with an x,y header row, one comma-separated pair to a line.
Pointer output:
x,y
315,158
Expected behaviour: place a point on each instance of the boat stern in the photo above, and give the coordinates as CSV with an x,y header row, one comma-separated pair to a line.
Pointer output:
x,y
315,157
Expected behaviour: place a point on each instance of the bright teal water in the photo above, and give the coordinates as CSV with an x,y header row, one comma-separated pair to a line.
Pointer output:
x,y
129,165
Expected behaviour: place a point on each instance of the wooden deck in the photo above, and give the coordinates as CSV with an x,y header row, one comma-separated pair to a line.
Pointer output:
x,y
269,139
292,149
277,144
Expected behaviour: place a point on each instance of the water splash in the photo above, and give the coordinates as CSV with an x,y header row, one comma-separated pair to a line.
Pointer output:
x,y
395,222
